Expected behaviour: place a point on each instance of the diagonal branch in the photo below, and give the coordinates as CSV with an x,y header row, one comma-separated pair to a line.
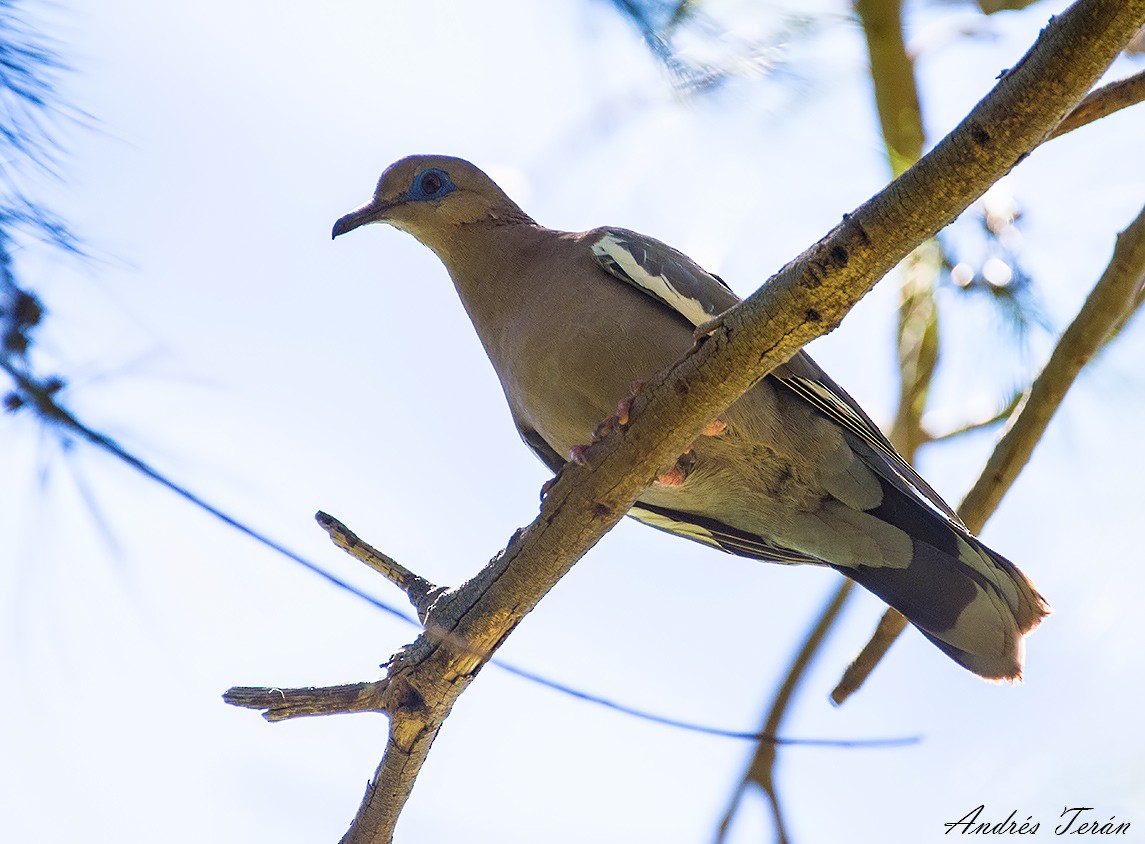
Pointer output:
x,y
1099,103
1104,101
421,592
806,299
1117,294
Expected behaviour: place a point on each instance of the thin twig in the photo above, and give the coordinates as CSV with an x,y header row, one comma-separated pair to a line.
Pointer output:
x,y
761,771
976,425
281,704
1104,101
421,592
1116,295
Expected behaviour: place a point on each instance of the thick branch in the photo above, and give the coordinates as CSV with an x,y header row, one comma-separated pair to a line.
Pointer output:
x,y
1116,295
804,300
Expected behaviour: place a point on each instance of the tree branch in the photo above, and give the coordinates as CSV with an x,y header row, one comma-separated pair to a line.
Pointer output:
x,y
1115,296
761,771
1104,101
804,300
892,72
1007,410
281,704
900,118
1112,297
421,592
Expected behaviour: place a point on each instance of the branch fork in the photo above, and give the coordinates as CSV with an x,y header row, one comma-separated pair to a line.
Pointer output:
x,y
807,298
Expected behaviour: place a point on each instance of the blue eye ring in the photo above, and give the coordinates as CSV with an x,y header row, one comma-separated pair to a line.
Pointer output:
x,y
430,184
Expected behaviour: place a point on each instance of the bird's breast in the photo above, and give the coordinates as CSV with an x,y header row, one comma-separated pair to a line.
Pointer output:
x,y
568,377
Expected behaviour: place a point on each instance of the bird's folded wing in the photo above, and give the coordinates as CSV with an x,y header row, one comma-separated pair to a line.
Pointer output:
x,y
675,280
715,533
540,447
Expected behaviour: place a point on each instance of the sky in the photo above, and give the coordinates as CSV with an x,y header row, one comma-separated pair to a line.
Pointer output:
x,y
216,331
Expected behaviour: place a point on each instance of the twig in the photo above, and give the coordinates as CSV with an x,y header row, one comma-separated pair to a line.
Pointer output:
x,y
421,592
281,704
1002,415
761,771
1104,101
1116,294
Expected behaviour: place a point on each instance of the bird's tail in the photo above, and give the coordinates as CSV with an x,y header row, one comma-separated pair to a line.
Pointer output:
x,y
971,602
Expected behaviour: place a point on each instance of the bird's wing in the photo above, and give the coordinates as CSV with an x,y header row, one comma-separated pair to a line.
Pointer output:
x,y
665,274
803,376
718,535
673,279
545,452
699,528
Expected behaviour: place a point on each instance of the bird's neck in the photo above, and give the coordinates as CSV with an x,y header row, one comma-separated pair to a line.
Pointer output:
x,y
495,266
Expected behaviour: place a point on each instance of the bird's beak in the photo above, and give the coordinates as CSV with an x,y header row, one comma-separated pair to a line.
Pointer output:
x,y
372,212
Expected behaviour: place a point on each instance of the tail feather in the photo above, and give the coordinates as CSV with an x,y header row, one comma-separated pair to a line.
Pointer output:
x,y
975,606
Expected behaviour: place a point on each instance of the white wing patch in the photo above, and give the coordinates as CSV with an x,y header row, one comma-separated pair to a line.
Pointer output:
x,y
717,536
670,525
612,252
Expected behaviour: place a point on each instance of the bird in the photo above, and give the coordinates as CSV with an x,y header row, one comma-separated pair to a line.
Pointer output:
x,y
793,472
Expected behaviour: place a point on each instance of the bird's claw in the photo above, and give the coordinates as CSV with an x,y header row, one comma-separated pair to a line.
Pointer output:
x,y
577,454
714,428
624,406
679,471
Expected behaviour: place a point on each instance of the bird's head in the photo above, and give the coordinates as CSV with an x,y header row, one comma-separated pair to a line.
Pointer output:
x,y
430,196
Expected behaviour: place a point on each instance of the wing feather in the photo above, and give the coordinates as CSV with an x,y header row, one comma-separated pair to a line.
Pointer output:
x,y
674,280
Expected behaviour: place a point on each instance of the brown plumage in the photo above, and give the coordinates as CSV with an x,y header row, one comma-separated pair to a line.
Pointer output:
x,y
800,474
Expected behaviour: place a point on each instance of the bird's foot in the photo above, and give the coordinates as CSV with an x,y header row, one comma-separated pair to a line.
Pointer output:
x,y
624,407
714,428
674,476
679,471
607,426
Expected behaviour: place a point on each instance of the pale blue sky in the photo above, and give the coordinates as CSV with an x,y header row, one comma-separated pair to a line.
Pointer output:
x,y
220,335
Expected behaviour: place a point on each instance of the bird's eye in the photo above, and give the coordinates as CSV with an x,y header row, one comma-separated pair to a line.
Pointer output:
x,y
430,184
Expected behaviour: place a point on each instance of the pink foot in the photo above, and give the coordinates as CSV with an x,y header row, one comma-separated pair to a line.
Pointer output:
x,y
714,428
625,405
673,477
679,471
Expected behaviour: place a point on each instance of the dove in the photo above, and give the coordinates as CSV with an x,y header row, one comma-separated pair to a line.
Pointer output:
x,y
793,472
